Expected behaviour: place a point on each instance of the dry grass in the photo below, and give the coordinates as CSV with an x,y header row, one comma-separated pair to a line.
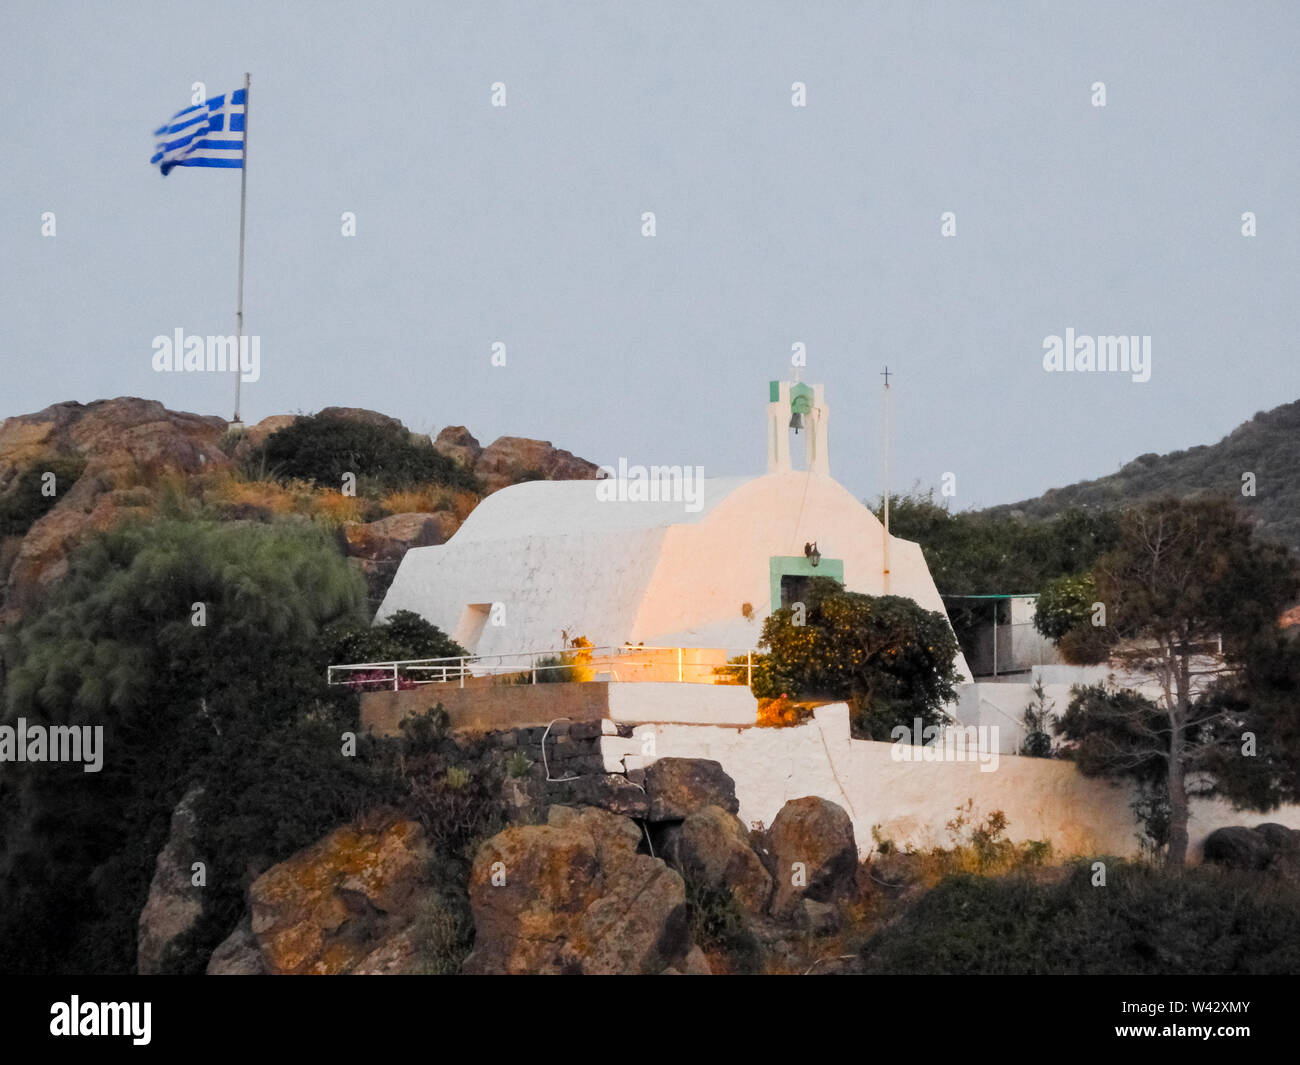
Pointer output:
x,y
430,499
176,495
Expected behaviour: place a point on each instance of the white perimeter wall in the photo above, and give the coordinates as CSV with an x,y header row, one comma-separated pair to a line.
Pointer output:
x,y
1043,799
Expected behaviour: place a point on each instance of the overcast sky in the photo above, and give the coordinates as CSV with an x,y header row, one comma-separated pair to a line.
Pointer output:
x,y
775,224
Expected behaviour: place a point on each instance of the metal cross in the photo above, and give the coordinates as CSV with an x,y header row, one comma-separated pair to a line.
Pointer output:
x,y
885,375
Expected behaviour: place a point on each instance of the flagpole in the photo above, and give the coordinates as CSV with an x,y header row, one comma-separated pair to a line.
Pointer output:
x,y
239,308
885,541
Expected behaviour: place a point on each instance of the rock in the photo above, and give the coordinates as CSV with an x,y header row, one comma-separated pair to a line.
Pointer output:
x,y
360,414
459,445
174,904
1284,849
328,908
122,442
574,896
1237,847
712,848
694,964
609,791
238,954
388,539
816,834
678,786
817,918
1282,842
1269,846
254,436
511,459
395,956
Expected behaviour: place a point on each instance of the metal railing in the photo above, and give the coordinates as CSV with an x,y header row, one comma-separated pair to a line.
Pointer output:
x,y
619,663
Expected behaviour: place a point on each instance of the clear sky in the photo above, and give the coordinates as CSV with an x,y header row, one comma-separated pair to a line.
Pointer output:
x,y
775,224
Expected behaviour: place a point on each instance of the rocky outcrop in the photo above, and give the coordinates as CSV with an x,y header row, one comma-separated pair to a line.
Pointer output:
x,y
812,854
238,954
676,787
388,539
375,548
1269,847
122,442
123,445
459,445
712,848
511,459
343,904
174,903
575,896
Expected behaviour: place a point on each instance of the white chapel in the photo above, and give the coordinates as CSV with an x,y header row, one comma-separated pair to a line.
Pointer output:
x,y
663,568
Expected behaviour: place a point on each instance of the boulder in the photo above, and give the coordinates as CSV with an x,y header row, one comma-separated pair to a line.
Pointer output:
x,y
694,964
329,907
678,786
1237,847
812,853
122,442
238,954
609,791
361,414
712,848
817,918
575,896
1269,846
174,904
459,445
388,539
511,459
398,955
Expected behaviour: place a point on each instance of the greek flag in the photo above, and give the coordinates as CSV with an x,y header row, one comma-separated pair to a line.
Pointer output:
x,y
207,134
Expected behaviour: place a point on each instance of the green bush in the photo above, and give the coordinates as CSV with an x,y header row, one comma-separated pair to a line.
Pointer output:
x,y
224,703
324,448
892,659
719,924
26,503
403,636
1143,922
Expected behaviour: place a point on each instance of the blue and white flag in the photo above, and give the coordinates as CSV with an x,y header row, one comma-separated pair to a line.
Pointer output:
x,y
207,134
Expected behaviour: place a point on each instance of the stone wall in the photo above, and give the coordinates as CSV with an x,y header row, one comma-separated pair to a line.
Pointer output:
x,y
486,708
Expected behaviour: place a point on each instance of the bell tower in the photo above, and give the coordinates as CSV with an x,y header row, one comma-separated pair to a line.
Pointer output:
x,y
794,407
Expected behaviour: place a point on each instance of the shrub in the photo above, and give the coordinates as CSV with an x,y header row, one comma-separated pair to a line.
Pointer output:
x,y
719,925
1146,921
114,645
1038,723
324,448
26,502
892,659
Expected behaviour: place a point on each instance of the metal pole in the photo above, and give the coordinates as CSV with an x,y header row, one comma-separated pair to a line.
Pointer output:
x,y
243,199
995,637
885,553
750,667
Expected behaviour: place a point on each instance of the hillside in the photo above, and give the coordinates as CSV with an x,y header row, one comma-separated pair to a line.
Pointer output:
x,y
1268,446
74,470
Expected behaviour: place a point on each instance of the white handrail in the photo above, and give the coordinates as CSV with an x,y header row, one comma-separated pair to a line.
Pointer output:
x,y
457,667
